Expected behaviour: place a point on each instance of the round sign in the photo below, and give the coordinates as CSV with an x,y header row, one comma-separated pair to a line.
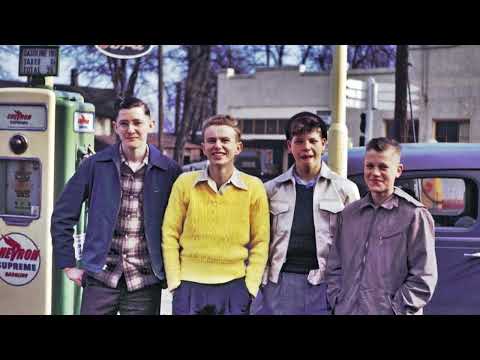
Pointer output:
x,y
19,259
124,51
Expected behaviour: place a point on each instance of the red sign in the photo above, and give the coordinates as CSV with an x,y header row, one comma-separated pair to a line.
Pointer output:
x,y
19,259
18,115
82,120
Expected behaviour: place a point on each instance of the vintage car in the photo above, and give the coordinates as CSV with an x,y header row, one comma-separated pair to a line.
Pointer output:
x,y
445,177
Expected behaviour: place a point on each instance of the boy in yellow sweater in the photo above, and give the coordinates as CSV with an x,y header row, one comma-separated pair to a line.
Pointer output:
x,y
216,230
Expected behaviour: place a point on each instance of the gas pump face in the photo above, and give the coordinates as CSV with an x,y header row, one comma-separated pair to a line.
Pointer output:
x,y
21,180
27,135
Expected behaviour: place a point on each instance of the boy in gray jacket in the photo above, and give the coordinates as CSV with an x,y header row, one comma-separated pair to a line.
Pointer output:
x,y
383,257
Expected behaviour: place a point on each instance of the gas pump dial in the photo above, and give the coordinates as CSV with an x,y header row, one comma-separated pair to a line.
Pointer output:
x,y
18,144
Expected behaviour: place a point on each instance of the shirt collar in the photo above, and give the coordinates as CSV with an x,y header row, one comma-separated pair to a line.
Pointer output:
x,y
388,204
300,181
235,179
289,175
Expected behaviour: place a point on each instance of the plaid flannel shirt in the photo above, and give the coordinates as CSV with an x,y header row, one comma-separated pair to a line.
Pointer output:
x,y
128,253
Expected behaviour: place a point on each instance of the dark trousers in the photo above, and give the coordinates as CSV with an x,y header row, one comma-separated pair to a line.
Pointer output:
x,y
231,298
291,295
99,299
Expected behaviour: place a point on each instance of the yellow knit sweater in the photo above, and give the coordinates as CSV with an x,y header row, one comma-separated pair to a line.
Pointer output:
x,y
211,238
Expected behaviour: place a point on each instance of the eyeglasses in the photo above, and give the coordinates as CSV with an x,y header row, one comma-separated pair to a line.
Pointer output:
x,y
125,125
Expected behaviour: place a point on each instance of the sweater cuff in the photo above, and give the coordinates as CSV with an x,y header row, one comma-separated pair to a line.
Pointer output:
x,y
252,287
173,284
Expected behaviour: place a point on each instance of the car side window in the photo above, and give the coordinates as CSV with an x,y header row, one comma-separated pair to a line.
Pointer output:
x,y
451,201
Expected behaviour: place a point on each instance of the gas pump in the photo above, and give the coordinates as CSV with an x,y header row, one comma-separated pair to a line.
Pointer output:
x,y
27,140
43,137
73,141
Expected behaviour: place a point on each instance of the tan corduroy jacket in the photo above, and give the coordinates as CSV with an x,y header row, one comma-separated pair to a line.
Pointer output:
x,y
332,192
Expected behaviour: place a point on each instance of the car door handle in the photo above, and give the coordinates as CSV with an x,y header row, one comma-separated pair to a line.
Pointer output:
x,y
474,255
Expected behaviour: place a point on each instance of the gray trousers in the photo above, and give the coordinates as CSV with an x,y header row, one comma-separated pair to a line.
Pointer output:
x,y
99,299
292,295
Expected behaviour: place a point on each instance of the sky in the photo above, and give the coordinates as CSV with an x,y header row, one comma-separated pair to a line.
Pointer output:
x,y
147,93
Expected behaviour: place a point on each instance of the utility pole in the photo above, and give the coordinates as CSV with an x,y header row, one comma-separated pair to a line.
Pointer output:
x,y
268,55
338,132
400,129
372,92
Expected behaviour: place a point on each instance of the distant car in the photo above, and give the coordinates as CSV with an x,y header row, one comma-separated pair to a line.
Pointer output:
x,y
200,165
445,177
247,161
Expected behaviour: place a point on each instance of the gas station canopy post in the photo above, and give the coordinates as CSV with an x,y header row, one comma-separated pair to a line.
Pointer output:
x,y
338,132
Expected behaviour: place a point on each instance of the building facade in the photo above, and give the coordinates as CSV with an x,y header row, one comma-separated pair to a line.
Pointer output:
x,y
445,83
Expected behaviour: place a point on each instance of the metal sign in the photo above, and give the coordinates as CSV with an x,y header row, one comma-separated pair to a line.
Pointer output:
x,y
124,51
83,122
38,61
19,259
23,117
381,98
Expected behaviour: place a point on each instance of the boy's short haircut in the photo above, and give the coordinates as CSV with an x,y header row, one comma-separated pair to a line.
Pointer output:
x,y
303,123
382,144
129,103
222,120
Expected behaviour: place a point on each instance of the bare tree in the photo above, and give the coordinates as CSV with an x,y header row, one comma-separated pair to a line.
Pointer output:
x,y
304,53
319,57
125,75
198,61
277,53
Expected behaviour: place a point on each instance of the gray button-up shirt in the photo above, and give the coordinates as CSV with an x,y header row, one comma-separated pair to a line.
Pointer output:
x,y
383,257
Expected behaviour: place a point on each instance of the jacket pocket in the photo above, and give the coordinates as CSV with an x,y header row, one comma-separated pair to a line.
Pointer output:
x,y
278,212
331,205
327,221
391,235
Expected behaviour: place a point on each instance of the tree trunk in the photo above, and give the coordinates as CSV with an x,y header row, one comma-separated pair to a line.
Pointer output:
x,y
132,79
306,54
178,101
118,69
401,76
160,97
198,58
280,53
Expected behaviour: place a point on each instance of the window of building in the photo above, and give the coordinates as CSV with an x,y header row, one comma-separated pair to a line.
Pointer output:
x,y
281,125
272,126
263,126
247,126
389,129
259,126
452,130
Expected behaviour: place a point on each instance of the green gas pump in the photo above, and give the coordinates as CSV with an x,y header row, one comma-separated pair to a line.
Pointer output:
x,y
74,140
